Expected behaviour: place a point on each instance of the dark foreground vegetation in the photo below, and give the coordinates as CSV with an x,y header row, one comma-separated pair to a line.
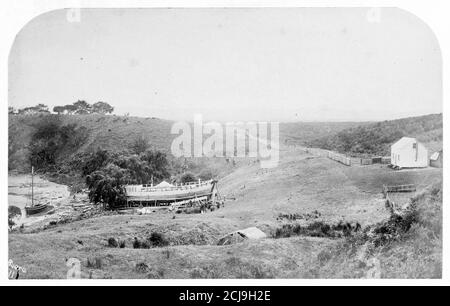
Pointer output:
x,y
407,245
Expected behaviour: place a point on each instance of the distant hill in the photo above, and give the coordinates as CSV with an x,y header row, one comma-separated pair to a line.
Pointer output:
x,y
376,138
301,133
117,133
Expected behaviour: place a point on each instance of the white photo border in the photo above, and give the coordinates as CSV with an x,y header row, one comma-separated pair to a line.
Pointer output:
x,y
14,15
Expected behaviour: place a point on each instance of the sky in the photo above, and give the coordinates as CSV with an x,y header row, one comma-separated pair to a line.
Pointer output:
x,y
266,64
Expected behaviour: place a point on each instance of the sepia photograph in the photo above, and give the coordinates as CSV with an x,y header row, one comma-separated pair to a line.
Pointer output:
x,y
225,143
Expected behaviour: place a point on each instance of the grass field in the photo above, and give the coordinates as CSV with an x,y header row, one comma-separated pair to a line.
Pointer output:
x,y
314,187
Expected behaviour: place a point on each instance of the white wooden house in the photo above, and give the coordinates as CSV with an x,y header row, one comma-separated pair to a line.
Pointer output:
x,y
409,153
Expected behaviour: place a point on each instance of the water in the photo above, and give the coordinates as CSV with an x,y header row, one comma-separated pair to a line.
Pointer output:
x,y
45,192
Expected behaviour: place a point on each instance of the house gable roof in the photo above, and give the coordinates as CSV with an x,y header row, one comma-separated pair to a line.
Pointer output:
x,y
404,141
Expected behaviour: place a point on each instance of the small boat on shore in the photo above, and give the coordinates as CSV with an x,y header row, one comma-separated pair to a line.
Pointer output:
x,y
34,208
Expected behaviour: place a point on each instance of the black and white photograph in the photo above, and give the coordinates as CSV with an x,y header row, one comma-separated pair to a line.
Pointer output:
x,y
225,143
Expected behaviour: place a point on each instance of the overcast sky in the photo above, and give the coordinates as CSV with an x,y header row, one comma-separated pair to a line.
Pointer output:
x,y
320,64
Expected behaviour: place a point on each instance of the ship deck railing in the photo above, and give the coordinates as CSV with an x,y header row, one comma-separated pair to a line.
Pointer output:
x,y
149,188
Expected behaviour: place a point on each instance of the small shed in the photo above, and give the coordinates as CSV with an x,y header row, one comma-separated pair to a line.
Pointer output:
x,y
409,153
436,159
241,235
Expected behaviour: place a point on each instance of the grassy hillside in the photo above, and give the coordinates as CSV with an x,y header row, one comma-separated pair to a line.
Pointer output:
x,y
376,138
116,133
311,188
113,133
301,133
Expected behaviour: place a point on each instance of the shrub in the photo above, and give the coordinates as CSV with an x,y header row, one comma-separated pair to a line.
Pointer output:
x,y
394,228
156,274
142,267
136,243
158,240
207,174
112,242
94,262
317,229
146,244
187,178
11,223
14,211
209,271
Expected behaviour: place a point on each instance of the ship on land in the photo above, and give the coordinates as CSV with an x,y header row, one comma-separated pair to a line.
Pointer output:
x,y
165,193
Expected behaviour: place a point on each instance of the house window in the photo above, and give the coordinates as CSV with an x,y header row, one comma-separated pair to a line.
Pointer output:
x,y
414,145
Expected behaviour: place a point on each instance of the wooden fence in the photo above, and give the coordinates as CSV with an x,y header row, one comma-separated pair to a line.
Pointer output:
x,y
375,160
348,161
398,188
340,158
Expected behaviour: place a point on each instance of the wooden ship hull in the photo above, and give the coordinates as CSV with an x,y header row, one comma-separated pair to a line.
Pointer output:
x,y
32,210
155,196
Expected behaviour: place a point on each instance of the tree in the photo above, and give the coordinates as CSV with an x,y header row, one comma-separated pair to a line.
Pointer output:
x,y
157,163
70,108
82,107
102,108
107,186
95,161
59,109
40,108
140,145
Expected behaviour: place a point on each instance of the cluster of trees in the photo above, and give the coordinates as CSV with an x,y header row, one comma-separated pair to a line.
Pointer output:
x,y
107,172
40,108
80,107
55,149
376,138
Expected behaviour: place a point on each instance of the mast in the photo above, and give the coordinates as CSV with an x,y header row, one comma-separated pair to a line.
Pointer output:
x,y
32,186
